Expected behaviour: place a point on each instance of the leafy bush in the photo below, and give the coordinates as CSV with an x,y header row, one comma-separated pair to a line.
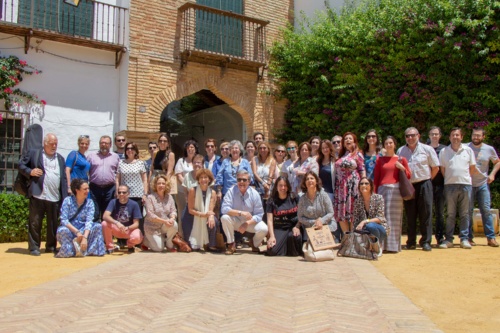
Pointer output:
x,y
14,213
391,64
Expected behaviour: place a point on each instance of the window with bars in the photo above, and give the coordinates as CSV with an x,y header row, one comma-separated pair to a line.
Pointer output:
x,y
11,130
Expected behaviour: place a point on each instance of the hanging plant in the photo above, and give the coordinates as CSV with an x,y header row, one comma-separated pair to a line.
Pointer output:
x,y
12,71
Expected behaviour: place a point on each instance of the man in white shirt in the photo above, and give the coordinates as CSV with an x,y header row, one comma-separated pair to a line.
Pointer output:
x,y
457,164
480,184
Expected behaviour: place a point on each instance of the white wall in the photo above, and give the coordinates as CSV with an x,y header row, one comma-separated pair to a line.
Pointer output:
x,y
82,97
309,7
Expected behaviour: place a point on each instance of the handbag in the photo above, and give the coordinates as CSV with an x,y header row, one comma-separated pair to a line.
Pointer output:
x,y
405,186
320,245
181,244
359,244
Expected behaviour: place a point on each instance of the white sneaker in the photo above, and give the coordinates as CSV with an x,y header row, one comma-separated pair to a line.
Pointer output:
x,y
465,245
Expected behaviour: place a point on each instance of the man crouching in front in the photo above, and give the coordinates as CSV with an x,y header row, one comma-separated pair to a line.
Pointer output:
x,y
242,210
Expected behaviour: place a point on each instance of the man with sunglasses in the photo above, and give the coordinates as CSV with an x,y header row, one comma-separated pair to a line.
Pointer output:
x,y
336,142
424,166
242,211
120,142
121,219
152,148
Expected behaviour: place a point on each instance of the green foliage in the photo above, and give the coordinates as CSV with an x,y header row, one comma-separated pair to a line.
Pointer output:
x,y
391,64
14,213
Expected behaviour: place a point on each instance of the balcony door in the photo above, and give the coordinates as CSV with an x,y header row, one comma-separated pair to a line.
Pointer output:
x,y
55,15
217,33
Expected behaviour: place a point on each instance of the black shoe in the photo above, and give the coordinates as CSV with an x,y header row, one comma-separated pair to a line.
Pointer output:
x,y
109,251
131,249
51,250
410,247
426,247
35,253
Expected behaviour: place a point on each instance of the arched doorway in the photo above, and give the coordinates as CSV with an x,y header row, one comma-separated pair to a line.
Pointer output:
x,y
199,116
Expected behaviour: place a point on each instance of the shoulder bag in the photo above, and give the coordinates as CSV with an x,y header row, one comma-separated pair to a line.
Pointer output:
x,y
359,244
181,244
405,186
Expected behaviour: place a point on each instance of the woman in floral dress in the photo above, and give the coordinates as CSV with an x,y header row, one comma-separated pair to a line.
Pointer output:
x,y
349,169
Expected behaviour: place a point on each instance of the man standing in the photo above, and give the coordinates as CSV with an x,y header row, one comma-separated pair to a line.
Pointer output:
x,y
121,219
438,185
48,188
258,137
480,184
120,142
424,166
336,142
152,148
102,173
242,210
457,165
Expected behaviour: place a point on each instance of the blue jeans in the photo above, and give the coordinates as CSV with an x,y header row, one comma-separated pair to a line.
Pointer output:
x,y
458,197
376,230
482,195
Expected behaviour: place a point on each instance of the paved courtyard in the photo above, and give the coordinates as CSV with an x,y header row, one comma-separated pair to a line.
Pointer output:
x,y
197,292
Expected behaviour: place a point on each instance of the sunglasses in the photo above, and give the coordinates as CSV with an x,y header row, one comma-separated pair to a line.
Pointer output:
x,y
336,142
242,180
122,192
84,136
129,148
371,136
209,146
224,149
152,148
280,151
291,148
364,183
120,140
411,135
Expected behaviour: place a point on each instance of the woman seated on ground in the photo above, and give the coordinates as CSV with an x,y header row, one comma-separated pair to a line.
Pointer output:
x,y
369,211
315,207
284,237
160,224
78,234
201,204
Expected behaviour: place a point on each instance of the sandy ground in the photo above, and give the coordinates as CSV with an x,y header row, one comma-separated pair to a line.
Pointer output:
x,y
458,289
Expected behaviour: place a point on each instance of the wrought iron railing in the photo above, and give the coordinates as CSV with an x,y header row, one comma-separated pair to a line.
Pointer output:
x,y
211,31
91,20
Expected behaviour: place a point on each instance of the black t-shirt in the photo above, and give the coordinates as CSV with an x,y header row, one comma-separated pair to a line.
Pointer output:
x,y
439,179
284,212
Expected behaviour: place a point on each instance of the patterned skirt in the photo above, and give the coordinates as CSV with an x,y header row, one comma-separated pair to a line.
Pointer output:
x,y
95,242
394,215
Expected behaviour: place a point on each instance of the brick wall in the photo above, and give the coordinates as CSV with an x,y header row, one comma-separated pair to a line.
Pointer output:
x,y
156,77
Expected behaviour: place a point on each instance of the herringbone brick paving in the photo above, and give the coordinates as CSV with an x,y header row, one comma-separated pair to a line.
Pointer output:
x,y
197,292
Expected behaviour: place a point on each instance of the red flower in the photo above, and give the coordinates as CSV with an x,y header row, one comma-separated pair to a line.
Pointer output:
x,y
22,62
43,102
7,90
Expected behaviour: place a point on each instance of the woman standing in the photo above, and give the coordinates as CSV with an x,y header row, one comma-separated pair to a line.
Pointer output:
x,y
371,150
387,184
132,172
287,168
226,177
224,154
201,203
263,168
78,234
164,158
349,169
369,212
326,162
284,237
160,226
304,164
188,183
315,142
280,158
250,150
183,166
77,165
315,207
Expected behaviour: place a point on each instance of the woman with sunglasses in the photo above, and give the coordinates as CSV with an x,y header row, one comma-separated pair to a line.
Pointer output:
x,y
284,237
287,167
224,154
369,212
280,158
132,172
163,159
386,183
264,169
371,151
349,169
77,165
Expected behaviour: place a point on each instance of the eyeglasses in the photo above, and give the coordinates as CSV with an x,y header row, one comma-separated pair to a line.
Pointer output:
x,y
242,180
162,141
152,148
129,148
280,151
411,135
224,149
291,148
336,142
371,136
209,146
364,184
84,136
122,192
120,140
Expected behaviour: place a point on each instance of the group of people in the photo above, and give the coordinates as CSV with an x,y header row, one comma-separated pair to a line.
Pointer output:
x,y
252,191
